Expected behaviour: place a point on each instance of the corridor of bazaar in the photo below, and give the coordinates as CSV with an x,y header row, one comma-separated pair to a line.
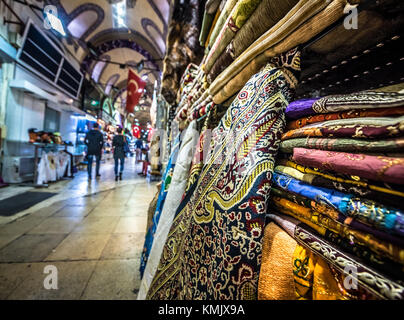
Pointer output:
x,y
201,150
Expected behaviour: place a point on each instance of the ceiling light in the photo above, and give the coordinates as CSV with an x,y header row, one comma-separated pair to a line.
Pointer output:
x,y
55,23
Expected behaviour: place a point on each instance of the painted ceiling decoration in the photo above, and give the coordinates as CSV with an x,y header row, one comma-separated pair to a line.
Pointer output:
x,y
107,37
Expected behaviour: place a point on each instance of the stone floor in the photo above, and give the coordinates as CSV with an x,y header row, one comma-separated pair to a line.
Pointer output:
x,y
92,232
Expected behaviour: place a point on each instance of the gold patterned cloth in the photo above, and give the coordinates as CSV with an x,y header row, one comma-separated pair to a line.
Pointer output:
x,y
276,280
213,250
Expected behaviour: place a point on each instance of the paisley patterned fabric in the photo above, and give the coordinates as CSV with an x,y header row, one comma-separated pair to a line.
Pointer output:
x,y
374,282
360,100
393,192
347,145
166,181
338,216
213,250
357,131
366,211
379,246
356,113
387,169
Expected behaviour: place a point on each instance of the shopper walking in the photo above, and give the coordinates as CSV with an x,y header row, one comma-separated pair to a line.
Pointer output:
x,y
118,145
94,141
138,145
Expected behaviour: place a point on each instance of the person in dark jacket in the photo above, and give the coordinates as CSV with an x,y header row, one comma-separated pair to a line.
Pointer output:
x,y
118,144
95,142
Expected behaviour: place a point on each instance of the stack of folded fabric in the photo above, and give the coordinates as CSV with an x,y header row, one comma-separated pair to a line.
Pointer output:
x,y
338,197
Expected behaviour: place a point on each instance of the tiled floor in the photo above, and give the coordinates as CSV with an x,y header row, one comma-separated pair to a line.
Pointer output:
x,y
93,237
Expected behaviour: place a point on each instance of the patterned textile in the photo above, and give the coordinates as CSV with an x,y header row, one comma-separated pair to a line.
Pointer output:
x,y
166,181
356,113
187,80
305,20
213,250
182,45
152,207
220,22
211,7
213,25
374,282
360,100
337,216
338,103
367,277
238,16
347,145
389,192
300,108
315,279
276,273
304,214
377,168
173,198
366,211
265,16
349,131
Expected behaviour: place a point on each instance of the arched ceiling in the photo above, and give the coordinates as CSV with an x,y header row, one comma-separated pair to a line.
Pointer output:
x,y
94,24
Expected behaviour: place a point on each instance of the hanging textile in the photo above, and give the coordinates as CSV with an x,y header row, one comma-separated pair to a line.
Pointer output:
x,y
173,198
218,233
182,45
166,181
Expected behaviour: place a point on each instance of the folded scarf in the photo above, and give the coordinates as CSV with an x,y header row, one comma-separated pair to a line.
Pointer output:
x,y
315,279
267,14
358,188
300,108
377,168
293,29
220,22
210,16
238,16
359,100
276,272
349,145
355,113
394,190
370,279
349,131
342,102
213,24
380,247
366,211
338,216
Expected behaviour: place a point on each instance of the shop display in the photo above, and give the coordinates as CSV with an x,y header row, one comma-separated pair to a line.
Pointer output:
x,y
285,190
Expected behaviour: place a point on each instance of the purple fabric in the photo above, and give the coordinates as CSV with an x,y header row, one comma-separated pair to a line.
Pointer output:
x,y
300,108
